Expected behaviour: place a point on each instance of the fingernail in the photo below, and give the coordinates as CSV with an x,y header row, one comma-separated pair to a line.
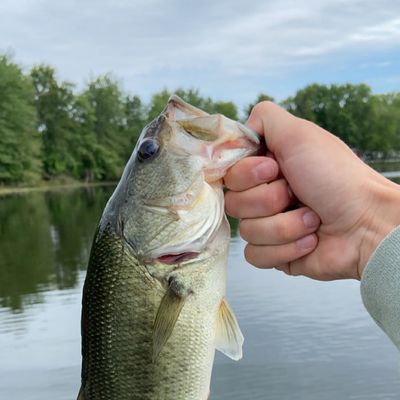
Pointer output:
x,y
264,171
310,219
306,243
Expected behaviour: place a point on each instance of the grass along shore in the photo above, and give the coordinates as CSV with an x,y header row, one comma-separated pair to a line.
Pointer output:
x,y
57,184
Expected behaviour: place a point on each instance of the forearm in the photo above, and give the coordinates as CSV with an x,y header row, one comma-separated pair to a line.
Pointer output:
x,y
380,285
381,203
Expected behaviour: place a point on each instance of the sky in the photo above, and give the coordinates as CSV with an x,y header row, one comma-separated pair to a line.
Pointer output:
x,y
228,49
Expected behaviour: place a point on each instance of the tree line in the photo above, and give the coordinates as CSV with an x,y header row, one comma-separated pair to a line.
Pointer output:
x,y
51,130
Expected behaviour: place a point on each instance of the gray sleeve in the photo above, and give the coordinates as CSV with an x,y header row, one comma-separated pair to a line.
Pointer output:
x,y
380,286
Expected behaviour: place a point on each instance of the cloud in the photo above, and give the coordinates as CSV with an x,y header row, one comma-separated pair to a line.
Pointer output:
x,y
208,44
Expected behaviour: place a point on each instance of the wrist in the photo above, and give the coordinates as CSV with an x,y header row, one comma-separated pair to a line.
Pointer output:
x,y
381,217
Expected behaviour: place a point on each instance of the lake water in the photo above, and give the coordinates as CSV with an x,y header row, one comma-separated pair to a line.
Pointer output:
x,y
304,340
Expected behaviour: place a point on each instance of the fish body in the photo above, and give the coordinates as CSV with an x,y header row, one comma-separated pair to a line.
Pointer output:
x,y
154,308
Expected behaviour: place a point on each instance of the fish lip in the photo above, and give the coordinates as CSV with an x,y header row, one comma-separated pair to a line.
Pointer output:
x,y
173,259
249,133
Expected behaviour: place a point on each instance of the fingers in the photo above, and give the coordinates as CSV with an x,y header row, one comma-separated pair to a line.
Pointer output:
x,y
251,171
259,201
274,122
281,239
271,256
280,228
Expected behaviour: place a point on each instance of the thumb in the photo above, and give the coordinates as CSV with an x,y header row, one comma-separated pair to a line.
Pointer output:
x,y
280,128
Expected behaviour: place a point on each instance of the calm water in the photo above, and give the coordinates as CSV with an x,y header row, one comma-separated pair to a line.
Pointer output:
x,y
304,340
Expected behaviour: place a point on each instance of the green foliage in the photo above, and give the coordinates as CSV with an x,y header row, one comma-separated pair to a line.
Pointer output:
x,y
20,151
49,129
384,132
191,96
134,122
367,122
55,106
344,110
107,103
157,104
261,97
57,231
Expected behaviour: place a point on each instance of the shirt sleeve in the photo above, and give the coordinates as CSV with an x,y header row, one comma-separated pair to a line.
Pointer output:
x,y
380,286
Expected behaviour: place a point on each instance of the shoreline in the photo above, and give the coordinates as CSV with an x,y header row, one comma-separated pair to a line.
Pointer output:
x,y
49,186
54,185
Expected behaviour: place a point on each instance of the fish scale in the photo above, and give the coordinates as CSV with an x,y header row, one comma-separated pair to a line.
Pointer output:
x,y
117,326
154,308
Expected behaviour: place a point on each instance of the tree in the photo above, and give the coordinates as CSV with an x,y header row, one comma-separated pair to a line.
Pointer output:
x,y
134,121
384,132
261,97
157,104
193,97
55,107
344,110
106,100
84,140
19,142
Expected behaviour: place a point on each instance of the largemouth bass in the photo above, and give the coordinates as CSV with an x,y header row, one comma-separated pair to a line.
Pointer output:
x,y
154,307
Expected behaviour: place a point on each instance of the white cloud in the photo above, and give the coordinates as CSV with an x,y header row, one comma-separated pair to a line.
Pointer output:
x,y
208,44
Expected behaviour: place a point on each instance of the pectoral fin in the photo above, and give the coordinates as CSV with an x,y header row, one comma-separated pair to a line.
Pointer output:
x,y
229,339
167,315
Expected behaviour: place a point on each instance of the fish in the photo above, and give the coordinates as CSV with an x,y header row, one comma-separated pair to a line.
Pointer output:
x,y
153,307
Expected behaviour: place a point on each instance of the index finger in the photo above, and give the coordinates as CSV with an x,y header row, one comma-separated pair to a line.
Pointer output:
x,y
250,172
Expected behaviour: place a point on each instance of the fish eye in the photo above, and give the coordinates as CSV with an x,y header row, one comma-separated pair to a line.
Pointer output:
x,y
148,150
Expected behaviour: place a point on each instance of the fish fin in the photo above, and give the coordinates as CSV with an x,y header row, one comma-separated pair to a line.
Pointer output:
x,y
167,315
229,338
80,394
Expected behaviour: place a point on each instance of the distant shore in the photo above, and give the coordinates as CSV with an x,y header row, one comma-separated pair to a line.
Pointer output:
x,y
51,185
382,166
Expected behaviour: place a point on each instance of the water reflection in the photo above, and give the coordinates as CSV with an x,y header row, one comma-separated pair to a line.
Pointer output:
x,y
304,340
44,241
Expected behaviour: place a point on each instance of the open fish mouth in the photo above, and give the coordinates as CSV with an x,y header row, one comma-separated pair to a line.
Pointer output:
x,y
172,259
217,140
210,145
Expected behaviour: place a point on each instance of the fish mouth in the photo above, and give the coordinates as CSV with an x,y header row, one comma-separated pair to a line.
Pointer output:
x,y
216,140
213,143
172,259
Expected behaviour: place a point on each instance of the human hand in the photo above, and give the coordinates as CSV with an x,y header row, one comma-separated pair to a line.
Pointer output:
x,y
347,207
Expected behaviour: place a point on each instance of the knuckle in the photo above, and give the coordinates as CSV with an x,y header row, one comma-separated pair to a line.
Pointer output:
x,y
293,271
271,195
263,106
285,268
282,229
276,198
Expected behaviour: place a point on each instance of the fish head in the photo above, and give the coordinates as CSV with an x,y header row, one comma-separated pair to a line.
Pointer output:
x,y
169,202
